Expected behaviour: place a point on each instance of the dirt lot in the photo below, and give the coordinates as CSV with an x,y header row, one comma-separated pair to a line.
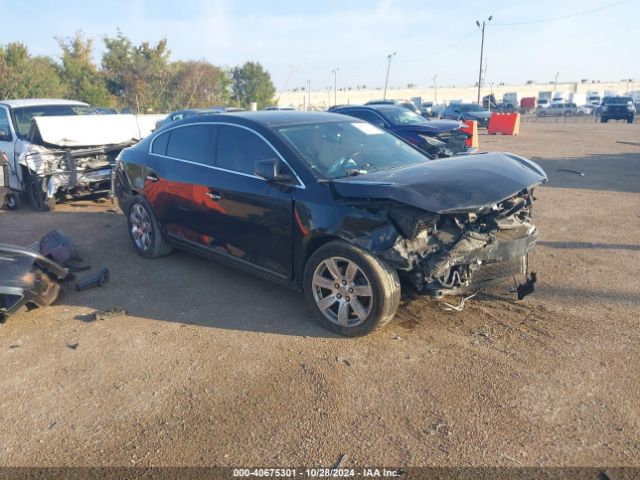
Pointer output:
x,y
215,367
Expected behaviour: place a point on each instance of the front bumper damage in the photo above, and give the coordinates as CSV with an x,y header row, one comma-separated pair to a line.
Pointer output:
x,y
443,255
74,171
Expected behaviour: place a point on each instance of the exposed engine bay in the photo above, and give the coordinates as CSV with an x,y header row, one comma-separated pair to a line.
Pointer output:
x,y
459,253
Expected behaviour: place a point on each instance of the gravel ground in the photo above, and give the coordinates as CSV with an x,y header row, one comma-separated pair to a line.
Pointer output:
x,y
215,367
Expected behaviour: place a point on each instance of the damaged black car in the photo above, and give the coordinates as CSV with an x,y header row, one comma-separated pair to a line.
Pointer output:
x,y
333,206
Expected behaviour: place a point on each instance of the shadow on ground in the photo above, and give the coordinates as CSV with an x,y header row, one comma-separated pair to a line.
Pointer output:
x,y
615,173
179,288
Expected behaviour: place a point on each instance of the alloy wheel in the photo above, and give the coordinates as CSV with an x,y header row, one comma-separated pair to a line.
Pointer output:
x,y
141,228
342,291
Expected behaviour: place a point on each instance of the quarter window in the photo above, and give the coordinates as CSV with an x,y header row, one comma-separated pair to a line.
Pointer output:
x,y
159,146
239,149
191,143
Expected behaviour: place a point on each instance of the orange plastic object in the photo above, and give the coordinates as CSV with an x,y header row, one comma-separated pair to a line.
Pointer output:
x,y
504,123
471,127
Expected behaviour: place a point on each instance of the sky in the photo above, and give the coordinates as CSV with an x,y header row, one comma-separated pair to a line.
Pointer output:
x,y
300,41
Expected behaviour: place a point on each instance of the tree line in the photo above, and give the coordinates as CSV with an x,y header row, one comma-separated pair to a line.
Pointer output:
x,y
140,77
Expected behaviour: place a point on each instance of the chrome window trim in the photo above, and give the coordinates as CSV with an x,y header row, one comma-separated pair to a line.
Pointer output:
x,y
301,184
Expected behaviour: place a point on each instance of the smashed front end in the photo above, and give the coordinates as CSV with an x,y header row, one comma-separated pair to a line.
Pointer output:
x,y
72,170
75,154
458,224
460,253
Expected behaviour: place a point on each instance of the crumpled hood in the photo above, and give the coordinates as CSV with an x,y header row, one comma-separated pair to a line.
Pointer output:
x,y
449,185
89,130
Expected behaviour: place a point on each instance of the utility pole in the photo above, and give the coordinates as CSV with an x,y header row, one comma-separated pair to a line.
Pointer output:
x,y
555,82
386,82
481,27
335,86
309,93
435,89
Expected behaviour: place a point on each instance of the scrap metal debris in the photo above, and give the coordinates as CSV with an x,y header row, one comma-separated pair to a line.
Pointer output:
x,y
96,280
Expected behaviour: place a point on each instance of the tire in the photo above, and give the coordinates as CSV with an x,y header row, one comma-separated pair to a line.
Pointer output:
x,y
13,201
630,120
145,233
603,120
37,198
350,314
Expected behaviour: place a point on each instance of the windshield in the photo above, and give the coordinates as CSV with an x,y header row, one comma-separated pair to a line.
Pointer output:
x,y
618,100
24,115
337,150
472,107
402,116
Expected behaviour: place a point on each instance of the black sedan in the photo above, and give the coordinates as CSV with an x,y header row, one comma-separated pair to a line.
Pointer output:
x,y
439,138
332,206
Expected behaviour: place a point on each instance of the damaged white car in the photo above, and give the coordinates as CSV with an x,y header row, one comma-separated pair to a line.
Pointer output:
x,y
56,148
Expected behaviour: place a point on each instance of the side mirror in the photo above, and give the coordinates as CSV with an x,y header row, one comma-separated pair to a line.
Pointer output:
x,y
273,171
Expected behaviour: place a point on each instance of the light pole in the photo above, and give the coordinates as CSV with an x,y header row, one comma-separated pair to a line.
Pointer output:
x,y
555,82
335,85
481,27
309,93
435,89
386,82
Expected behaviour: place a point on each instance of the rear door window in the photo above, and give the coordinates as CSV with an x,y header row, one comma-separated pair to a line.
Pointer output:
x,y
239,149
191,142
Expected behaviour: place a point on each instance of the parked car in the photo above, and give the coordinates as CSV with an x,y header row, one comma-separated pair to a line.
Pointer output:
x,y
584,110
426,109
408,104
558,110
439,138
180,114
467,111
617,108
60,147
332,206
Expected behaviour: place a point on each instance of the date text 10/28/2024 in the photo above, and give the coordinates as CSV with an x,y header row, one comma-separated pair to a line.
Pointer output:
x,y
316,472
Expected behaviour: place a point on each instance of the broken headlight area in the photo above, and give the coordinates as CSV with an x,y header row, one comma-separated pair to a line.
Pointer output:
x,y
460,253
455,141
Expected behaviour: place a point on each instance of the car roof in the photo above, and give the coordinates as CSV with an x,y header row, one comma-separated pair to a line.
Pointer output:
x,y
37,102
272,118
382,107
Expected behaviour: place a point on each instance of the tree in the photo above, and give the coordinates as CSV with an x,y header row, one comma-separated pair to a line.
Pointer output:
x,y
84,81
251,83
24,76
139,75
197,85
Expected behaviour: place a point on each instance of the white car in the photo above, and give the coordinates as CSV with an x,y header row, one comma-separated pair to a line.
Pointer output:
x,y
585,110
56,147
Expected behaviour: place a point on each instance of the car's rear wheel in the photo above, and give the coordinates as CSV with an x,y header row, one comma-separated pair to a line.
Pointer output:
x,y
630,120
603,120
145,232
350,291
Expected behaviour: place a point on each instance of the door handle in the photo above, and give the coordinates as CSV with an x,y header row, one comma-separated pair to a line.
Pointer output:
x,y
152,177
215,196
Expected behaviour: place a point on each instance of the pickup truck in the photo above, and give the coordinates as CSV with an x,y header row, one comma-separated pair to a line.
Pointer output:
x,y
58,147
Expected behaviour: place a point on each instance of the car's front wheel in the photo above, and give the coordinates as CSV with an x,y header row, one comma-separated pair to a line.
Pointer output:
x,y
144,230
350,291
